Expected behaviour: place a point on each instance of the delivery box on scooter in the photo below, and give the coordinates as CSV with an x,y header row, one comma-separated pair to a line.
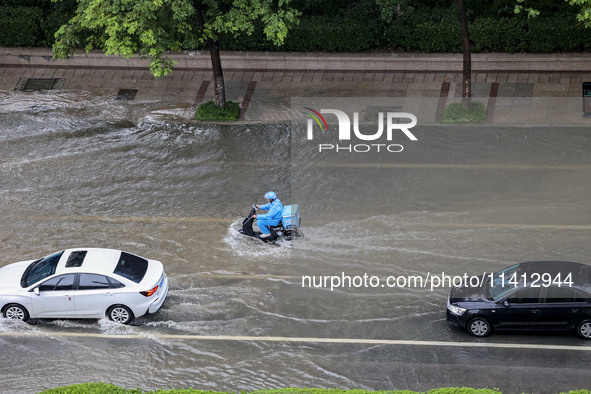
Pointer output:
x,y
291,216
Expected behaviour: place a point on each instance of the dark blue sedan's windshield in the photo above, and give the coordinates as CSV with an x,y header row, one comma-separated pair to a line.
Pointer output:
x,y
503,282
40,269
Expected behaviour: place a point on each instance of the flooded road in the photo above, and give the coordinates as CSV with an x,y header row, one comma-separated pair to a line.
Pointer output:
x,y
82,171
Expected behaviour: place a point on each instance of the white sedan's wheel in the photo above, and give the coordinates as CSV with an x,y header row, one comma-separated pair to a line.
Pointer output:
x,y
120,314
16,312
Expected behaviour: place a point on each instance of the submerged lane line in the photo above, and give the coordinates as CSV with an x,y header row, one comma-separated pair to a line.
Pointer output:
x,y
205,219
136,219
460,166
359,341
448,166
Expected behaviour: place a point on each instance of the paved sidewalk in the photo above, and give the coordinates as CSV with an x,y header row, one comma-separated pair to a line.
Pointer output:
x,y
518,88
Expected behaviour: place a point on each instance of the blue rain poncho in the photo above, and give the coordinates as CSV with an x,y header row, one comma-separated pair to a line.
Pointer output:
x,y
273,217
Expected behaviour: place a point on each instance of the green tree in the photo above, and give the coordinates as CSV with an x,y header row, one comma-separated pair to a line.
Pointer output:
x,y
467,58
390,8
148,28
583,16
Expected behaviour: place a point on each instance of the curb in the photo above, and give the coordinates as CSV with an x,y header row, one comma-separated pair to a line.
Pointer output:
x,y
307,62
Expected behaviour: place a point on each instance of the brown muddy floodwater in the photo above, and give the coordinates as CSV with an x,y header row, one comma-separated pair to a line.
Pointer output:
x,y
78,172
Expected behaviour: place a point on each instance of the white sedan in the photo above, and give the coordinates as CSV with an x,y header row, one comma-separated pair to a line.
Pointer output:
x,y
84,283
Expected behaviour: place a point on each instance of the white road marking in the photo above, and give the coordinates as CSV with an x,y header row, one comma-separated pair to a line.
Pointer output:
x,y
359,341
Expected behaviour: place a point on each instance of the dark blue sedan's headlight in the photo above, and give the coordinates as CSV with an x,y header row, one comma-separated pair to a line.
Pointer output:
x,y
456,310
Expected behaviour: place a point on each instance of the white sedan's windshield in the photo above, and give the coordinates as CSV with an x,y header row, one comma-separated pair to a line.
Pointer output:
x,y
40,269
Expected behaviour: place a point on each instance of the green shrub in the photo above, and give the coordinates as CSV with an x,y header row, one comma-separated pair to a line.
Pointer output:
x,y
400,35
454,113
437,30
557,34
210,113
91,388
329,34
577,392
349,27
19,26
423,30
441,36
104,388
462,390
489,34
333,34
333,7
21,3
57,14
328,391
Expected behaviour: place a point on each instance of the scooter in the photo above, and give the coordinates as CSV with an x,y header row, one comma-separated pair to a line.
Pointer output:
x,y
287,229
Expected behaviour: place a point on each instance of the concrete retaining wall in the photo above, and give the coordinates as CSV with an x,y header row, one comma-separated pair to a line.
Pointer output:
x,y
261,61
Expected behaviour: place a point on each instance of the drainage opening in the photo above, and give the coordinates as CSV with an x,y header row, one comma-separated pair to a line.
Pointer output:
x,y
36,84
126,94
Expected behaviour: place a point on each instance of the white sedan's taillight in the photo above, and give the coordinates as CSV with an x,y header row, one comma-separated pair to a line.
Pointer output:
x,y
150,292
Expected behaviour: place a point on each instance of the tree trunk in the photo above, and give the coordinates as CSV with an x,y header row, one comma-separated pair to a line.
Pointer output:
x,y
216,63
218,75
467,67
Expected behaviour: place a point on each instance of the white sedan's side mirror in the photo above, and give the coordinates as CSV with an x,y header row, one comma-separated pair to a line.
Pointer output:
x,y
36,291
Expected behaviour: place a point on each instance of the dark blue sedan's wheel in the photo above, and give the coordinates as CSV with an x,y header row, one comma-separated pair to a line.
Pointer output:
x,y
16,312
479,327
120,314
584,329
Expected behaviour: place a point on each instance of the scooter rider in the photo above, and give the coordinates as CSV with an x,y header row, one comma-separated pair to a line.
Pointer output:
x,y
271,218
